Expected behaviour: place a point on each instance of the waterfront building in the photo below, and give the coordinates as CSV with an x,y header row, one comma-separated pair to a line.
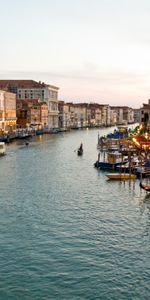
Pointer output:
x,y
72,115
66,115
128,115
136,112
7,112
90,114
124,115
119,114
113,116
61,114
76,115
32,113
145,115
84,113
81,115
30,89
72,120
95,114
105,110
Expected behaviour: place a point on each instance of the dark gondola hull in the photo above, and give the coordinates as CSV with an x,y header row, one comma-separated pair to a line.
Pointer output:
x,y
108,166
145,187
80,152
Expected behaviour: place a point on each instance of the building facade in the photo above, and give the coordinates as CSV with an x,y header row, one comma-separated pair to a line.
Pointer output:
x,y
81,115
32,113
30,89
145,116
7,111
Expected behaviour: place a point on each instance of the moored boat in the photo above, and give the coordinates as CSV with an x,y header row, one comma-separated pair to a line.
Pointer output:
x,y
121,176
145,187
111,162
107,166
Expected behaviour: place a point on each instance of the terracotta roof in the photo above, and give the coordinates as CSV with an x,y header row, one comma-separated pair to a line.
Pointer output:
x,y
5,84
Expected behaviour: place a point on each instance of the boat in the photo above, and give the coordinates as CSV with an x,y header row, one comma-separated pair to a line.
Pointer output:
x,y
145,187
113,160
2,148
108,166
80,150
121,176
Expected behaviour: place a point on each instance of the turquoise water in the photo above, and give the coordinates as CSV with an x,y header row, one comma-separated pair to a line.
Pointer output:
x,y
65,231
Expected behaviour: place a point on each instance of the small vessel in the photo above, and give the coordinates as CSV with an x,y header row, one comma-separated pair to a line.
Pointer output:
x,y
113,160
145,187
2,148
121,176
80,150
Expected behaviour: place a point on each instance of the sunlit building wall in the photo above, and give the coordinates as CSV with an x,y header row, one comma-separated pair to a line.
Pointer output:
x,y
7,111
30,89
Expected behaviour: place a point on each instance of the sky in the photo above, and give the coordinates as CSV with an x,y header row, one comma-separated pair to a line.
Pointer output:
x,y
93,50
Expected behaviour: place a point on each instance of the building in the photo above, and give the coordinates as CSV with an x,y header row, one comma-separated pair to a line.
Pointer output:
x,y
30,89
32,113
81,115
136,112
105,114
64,115
145,115
123,114
7,112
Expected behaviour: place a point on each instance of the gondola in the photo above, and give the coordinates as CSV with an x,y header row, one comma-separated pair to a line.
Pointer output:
x,y
80,152
145,187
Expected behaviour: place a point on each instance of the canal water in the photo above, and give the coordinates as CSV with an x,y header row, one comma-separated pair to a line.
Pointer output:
x,y
66,232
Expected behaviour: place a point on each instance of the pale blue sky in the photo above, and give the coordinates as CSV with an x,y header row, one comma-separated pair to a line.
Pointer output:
x,y
93,50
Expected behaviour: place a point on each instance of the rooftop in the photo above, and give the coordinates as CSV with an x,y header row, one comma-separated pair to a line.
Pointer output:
x,y
28,83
